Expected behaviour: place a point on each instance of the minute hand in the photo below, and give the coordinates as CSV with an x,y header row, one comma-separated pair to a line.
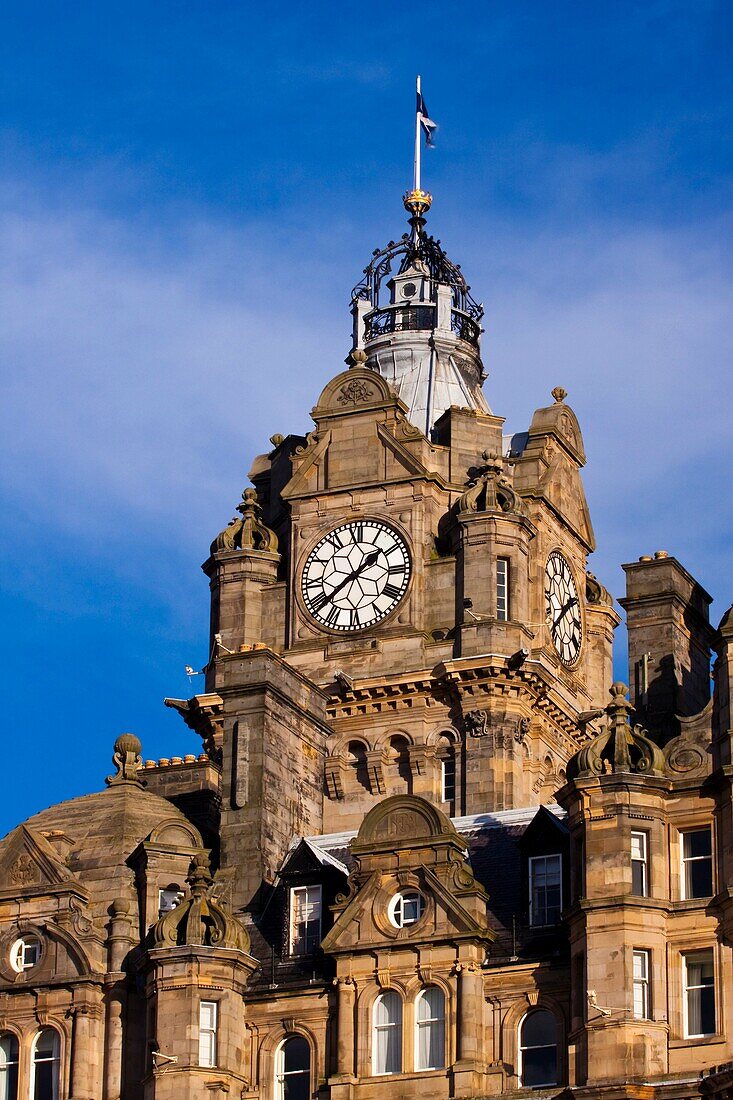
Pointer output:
x,y
369,560
565,610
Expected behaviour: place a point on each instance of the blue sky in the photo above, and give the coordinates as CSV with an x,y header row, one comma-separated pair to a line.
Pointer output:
x,y
189,192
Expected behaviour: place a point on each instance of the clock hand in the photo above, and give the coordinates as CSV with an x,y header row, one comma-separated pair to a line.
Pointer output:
x,y
564,611
366,562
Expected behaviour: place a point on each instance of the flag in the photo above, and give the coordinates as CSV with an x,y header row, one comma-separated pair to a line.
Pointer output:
x,y
425,120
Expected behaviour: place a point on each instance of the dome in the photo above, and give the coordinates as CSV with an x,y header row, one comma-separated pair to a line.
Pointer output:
x,y
100,831
419,326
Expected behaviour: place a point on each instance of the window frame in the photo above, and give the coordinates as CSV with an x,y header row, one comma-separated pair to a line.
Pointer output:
x,y
209,1060
9,1086
448,765
684,860
643,862
397,1023
548,1046
502,582
281,1073
54,1061
642,983
18,953
431,1022
686,988
530,866
311,941
397,903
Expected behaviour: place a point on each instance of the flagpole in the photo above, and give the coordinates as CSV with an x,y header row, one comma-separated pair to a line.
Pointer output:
x,y
417,138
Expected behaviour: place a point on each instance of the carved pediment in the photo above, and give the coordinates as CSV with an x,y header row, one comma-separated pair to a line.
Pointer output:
x,y
29,862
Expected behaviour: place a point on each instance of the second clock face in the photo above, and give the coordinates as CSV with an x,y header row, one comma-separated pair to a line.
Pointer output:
x,y
356,575
563,608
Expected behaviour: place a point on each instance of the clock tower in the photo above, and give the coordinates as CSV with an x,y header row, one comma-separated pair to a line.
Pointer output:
x,y
403,604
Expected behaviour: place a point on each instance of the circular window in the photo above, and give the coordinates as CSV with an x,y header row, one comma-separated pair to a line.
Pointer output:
x,y
409,290
406,908
24,954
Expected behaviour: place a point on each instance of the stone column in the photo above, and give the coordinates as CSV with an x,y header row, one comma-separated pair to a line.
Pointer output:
x,y
470,1011
119,942
345,1045
85,1053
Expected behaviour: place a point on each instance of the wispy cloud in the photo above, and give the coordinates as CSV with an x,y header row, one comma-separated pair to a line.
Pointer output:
x,y
143,373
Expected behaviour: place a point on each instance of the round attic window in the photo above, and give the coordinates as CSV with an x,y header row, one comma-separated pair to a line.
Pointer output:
x,y
409,290
406,908
24,954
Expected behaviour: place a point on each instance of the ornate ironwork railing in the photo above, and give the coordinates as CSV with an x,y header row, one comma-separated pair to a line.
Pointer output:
x,y
399,319
464,327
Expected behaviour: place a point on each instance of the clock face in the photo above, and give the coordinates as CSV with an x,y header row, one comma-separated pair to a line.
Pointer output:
x,y
563,608
356,575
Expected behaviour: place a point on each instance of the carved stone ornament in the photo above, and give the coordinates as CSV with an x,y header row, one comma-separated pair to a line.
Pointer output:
x,y
521,730
249,532
489,490
128,759
619,747
200,919
595,593
476,723
24,870
356,392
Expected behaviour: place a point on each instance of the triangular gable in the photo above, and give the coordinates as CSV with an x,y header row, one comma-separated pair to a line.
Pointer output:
x,y
545,827
355,926
303,855
29,862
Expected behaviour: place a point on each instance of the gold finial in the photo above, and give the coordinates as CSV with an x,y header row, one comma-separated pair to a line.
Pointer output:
x,y
417,202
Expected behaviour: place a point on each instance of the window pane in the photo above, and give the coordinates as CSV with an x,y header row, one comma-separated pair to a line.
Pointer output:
x,y
8,1067
305,919
430,1044
698,842
45,1066
699,878
539,1029
539,1067
700,993
296,1054
545,887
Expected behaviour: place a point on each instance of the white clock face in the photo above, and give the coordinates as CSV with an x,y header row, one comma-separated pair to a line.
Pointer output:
x,y
356,575
563,608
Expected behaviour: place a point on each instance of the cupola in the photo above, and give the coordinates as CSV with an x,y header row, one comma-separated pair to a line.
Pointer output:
x,y
417,323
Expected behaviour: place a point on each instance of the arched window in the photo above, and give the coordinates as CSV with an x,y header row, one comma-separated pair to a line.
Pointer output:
x,y
356,757
538,1049
293,1069
447,756
8,1067
45,1065
387,1034
430,1028
398,758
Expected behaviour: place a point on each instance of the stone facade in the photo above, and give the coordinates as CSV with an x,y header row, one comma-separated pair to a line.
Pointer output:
x,y
429,848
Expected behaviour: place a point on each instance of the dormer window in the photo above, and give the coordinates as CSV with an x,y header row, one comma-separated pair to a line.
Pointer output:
x,y
545,890
305,919
24,954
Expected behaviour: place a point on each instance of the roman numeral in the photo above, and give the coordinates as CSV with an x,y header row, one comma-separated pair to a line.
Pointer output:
x,y
391,590
332,615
